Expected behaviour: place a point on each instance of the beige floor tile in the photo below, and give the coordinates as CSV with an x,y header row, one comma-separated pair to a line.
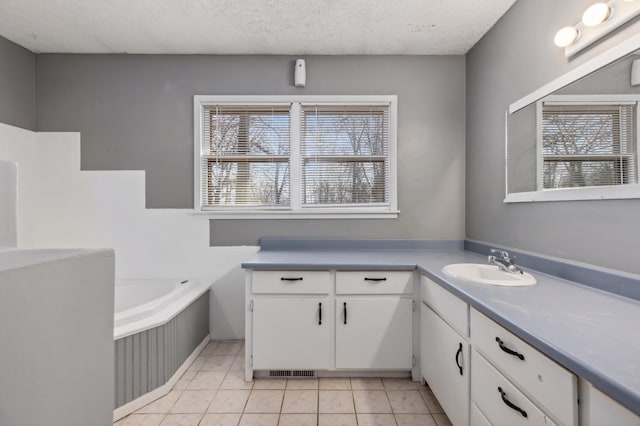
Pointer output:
x,y
218,363
142,420
329,383
337,420
181,420
415,420
198,362
269,383
229,401
336,401
298,420
228,348
442,419
399,384
193,401
208,350
161,405
184,380
210,380
407,402
302,384
376,420
264,401
235,380
238,364
366,383
259,420
371,402
220,419
300,401
429,398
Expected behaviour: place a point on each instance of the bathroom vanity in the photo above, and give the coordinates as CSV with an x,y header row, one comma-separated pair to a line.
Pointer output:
x,y
539,354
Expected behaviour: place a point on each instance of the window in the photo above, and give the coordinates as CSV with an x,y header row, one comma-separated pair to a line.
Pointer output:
x,y
276,157
587,144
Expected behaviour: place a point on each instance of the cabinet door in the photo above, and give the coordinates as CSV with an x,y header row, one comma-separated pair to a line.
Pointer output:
x,y
289,333
444,363
374,333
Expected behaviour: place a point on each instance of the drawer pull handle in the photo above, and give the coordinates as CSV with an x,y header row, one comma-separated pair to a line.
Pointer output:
x,y
375,279
457,356
344,310
291,279
319,313
511,404
507,350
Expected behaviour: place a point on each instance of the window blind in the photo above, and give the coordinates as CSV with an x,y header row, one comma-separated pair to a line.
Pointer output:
x,y
345,155
588,145
245,155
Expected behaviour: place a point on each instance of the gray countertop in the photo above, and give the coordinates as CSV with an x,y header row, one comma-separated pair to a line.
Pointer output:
x,y
588,331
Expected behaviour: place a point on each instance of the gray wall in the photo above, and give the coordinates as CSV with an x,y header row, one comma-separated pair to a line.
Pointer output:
x,y
135,112
516,57
17,85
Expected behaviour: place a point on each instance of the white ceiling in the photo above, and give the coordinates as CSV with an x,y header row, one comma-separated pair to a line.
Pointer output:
x,y
292,27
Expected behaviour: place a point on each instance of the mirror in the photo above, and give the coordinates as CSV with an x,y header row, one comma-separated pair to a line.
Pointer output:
x,y
577,137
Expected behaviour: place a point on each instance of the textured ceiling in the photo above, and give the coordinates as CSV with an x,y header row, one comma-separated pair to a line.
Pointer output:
x,y
293,27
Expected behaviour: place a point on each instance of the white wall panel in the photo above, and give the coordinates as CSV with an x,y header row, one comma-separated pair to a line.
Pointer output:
x,y
61,206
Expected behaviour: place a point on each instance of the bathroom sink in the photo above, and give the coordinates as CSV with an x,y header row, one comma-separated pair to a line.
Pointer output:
x,y
488,274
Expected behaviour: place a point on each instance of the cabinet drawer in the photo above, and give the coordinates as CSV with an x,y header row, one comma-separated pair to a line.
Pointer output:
x,y
292,282
498,399
374,282
549,384
449,307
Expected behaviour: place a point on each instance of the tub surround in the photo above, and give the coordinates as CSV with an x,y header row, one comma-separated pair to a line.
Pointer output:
x,y
56,328
149,362
578,326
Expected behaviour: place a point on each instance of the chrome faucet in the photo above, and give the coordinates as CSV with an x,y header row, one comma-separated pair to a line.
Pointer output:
x,y
504,261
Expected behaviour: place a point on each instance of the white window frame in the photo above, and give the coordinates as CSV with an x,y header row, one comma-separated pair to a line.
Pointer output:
x,y
609,192
296,211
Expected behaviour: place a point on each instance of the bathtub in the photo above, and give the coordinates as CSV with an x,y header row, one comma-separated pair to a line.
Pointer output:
x,y
160,326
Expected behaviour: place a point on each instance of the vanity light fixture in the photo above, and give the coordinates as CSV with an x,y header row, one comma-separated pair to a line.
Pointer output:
x,y
596,14
597,21
566,36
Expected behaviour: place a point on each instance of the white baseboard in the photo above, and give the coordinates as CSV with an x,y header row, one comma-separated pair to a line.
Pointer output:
x,y
160,391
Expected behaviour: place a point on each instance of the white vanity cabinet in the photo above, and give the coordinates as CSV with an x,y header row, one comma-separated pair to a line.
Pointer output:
x,y
513,383
329,320
444,349
374,316
597,409
292,320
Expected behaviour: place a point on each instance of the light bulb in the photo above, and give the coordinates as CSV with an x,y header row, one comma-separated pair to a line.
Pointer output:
x,y
566,36
596,14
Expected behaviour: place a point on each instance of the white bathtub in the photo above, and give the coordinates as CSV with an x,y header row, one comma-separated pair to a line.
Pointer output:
x,y
144,304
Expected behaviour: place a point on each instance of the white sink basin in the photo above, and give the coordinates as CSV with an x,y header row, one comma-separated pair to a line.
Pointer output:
x,y
488,274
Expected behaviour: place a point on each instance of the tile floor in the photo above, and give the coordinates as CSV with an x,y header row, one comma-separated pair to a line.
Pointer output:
x,y
213,392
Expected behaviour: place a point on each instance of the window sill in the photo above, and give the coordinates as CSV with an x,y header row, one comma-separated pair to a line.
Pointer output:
x,y
311,214
576,194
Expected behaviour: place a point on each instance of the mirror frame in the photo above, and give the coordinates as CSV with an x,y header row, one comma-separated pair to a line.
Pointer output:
x,y
568,194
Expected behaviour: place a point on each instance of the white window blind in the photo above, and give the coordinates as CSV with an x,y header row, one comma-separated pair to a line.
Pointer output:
x,y
345,155
245,156
588,145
